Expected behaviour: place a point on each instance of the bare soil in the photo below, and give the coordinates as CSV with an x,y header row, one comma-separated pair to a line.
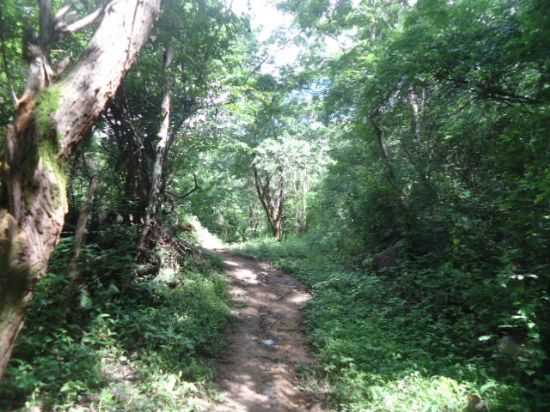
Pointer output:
x,y
259,371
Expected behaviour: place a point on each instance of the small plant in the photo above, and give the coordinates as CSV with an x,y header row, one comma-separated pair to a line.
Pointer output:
x,y
120,343
382,347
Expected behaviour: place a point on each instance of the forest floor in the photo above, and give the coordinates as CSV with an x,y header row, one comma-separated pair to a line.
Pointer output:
x,y
267,346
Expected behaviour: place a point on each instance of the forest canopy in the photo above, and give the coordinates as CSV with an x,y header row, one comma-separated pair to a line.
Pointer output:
x,y
393,155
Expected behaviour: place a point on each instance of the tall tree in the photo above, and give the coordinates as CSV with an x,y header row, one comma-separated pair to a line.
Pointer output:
x,y
147,139
54,115
154,200
272,197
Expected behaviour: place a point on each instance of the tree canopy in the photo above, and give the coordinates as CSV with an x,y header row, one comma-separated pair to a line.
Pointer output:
x,y
398,166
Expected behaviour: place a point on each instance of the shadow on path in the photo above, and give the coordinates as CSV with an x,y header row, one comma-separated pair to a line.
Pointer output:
x,y
267,346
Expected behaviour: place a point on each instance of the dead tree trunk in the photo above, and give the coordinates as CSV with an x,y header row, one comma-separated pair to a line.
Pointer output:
x,y
53,117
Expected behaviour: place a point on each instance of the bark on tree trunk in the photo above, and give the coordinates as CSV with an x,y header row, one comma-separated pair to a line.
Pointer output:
x,y
80,232
273,205
278,209
390,174
154,199
278,232
51,120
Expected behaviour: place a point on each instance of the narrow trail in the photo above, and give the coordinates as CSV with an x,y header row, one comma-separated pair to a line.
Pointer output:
x,y
266,344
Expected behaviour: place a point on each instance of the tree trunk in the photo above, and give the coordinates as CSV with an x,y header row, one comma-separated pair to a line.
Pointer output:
x,y
278,208
390,174
52,119
154,198
273,204
80,232
278,229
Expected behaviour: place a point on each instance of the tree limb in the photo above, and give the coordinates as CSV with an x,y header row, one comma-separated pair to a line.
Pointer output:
x,y
65,27
196,187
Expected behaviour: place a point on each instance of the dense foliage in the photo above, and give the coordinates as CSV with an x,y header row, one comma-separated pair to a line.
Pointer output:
x,y
122,344
438,190
380,351
126,330
403,172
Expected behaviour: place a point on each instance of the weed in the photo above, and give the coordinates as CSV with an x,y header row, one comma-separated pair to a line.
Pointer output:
x,y
122,344
379,351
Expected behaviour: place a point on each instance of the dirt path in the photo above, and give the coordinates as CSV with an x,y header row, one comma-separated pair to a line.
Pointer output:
x,y
266,344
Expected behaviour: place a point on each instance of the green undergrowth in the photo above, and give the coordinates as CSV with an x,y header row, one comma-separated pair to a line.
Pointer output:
x,y
382,352
119,342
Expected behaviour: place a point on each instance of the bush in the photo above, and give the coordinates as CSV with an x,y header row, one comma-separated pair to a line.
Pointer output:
x,y
397,342
122,343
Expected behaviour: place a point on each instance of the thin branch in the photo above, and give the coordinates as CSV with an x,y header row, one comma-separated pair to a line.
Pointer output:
x,y
491,92
64,27
62,12
195,188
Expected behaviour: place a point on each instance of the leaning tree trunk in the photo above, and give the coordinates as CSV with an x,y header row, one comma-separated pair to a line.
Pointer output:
x,y
52,120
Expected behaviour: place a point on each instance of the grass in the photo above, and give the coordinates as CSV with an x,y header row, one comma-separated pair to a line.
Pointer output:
x,y
125,344
380,352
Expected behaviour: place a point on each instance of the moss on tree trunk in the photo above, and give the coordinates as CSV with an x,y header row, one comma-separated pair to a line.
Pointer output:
x,y
49,125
